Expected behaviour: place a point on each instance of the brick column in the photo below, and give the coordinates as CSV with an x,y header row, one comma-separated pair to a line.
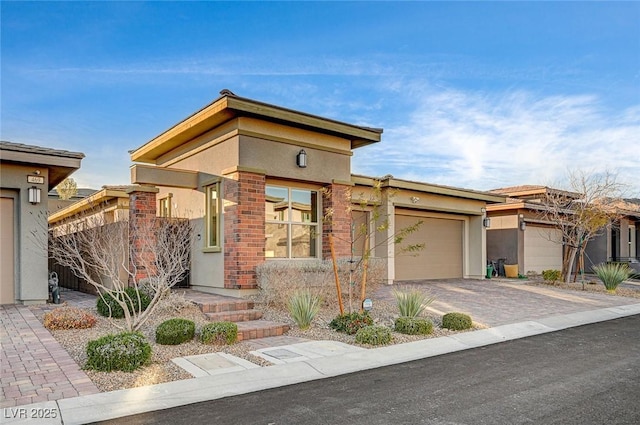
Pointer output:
x,y
244,233
142,214
337,200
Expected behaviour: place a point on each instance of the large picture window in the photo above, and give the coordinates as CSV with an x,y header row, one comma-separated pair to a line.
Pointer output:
x,y
292,225
213,216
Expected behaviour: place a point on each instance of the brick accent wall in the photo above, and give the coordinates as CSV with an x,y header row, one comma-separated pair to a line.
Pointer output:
x,y
142,213
337,220
244,232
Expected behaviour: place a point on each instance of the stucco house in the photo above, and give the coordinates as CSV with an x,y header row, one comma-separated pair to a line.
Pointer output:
x,y
27,174
258,181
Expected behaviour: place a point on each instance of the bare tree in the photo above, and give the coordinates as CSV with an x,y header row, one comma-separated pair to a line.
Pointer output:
x,y
104,254
582,212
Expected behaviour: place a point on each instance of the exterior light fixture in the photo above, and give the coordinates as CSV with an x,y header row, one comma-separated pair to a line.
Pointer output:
x,y
486,222
34,195
523,225
301,159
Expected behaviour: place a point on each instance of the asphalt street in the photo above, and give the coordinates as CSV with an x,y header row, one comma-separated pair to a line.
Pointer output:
x,y
584,375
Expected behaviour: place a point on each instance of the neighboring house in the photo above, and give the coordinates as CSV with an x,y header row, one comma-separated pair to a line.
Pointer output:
x,y
518,235
620,241
27,174
258,182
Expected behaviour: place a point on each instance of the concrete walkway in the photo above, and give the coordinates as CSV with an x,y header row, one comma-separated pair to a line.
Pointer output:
x,y
514,310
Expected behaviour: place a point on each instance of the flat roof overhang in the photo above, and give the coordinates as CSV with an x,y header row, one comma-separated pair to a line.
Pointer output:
x,y
229,107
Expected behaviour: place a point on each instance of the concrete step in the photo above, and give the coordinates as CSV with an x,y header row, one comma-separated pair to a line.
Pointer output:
x,y
254,329
234,316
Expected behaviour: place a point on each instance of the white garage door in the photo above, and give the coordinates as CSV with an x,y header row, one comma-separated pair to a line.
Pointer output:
x,y
443,253
541,250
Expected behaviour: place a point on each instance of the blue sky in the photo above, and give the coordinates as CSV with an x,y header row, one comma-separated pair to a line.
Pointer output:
x,y
470,94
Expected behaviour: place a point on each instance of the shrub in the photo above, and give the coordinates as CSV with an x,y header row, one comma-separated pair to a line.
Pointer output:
x,y
108,306
413,326
456,321
350,323
68,318
175,331
374,335
219,333
412,303
303,307
551,275
126,351
612,274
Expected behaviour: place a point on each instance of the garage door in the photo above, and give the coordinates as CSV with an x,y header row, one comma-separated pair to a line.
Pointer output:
x,y
7,282
541,251
442,256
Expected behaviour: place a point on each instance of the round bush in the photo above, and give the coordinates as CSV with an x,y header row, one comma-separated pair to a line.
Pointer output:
x,y
175,331
457,321
350,323
219,333
126,351
108,306
68,318
413,326
374,335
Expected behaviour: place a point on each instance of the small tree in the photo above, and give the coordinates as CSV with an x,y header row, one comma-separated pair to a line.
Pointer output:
x,y
581,213
67,189
361,233
101,253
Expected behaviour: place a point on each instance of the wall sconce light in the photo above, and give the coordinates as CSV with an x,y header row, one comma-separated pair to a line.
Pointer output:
x,y
486,222
34,195
523,225
301,159
415,199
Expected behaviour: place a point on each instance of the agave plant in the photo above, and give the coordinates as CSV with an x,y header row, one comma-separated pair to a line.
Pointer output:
x,y
303,307
612,274
412,303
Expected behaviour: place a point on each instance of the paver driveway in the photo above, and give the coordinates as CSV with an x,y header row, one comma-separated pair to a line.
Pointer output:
x,y
500,301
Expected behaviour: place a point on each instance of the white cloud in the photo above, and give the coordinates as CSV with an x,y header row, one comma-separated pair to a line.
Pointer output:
x,y
482,141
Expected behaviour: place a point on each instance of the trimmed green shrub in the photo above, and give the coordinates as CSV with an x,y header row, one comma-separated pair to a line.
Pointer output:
x,y
68,318
612,274
108,306
457,321
219,333
126,351
374,335
175,331
303,307
551,275
413,326
412,303
350,323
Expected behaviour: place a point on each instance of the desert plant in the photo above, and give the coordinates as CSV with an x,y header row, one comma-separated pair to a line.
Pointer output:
x,y
612,274
374,335
413,326
350,323
303,307
68,318
175,331
413,302
551,275
111,304
457,321
126,351
219,333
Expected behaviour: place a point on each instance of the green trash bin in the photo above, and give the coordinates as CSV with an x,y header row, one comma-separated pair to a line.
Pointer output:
x,y
489,272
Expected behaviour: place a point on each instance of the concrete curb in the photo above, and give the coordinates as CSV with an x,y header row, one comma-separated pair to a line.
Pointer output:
x,y
111,405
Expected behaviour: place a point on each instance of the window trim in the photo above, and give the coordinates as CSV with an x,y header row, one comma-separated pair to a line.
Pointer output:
x,y
217,187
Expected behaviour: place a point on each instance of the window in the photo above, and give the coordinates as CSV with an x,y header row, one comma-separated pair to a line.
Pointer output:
x,y
291,223
213,216
165,206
